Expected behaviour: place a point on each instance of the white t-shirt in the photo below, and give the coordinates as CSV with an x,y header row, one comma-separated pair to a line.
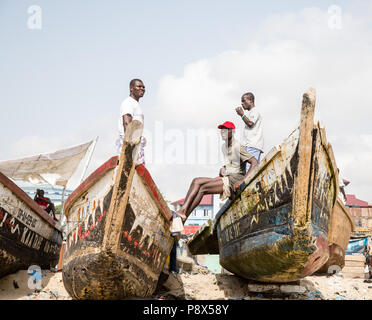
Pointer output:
x,y
253,137
132,107
235,157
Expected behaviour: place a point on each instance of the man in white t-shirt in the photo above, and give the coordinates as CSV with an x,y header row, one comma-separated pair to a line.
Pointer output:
x,y
130,110
253,133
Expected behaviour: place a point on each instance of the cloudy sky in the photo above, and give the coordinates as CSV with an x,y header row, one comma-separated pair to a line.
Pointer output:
x,y
62,84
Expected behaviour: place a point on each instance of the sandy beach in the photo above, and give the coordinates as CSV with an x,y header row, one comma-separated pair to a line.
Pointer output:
x,y
201,284
51,288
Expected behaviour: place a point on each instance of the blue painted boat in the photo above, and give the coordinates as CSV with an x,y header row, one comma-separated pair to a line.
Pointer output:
x,y
276,228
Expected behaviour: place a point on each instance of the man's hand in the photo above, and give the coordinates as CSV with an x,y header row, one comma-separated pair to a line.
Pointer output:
x,y
239,111
222,172
237,185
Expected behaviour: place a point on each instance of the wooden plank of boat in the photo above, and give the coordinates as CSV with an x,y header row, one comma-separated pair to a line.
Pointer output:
x,y
276,229
28,235
117,230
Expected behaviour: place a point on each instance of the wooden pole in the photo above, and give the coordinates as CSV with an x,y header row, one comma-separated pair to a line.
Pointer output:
x,y
122,186
62,204
88,160
301,203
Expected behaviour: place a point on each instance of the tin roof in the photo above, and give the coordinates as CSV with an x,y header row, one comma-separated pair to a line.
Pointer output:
x,y
190,229
352,200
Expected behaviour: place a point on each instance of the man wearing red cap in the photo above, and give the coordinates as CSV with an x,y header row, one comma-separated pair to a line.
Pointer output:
x,y
231,176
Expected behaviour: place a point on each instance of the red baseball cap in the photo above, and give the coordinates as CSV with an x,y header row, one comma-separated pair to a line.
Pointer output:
x,y
227,125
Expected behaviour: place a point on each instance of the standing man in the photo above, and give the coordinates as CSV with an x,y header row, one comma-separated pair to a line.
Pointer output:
x,y
130,110
253,132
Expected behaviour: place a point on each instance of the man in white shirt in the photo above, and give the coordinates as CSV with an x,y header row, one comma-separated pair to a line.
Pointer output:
x,y
130,110
253,133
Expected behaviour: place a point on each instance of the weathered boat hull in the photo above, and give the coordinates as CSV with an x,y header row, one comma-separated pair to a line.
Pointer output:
x,y
257,235
276,229
119,254
340,229
28,235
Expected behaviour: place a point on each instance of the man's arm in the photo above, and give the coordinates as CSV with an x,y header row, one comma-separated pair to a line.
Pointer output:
x,y
247,122
343,192
253,161
240,112
127,118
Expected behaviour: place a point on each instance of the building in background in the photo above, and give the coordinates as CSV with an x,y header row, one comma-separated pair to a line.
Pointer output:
x,y
202,212
207,209
361,212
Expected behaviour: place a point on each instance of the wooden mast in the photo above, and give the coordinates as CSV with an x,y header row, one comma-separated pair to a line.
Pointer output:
x,y
301,195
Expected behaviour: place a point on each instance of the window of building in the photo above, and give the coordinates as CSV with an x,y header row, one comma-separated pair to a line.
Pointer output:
x,y
205,212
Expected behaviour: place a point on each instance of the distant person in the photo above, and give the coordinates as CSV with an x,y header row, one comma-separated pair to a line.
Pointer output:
x,y
253,132
231,175
45,203
342,194
173,254
130,110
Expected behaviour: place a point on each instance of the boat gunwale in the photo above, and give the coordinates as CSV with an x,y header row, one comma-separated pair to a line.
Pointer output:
x,y
331,158
112,163
90,181
22,196
274,151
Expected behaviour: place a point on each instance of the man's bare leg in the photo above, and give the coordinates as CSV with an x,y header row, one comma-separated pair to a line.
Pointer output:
x,y
213,187
195,186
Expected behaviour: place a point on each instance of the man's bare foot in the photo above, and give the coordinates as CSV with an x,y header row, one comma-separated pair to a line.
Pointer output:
x,y
182,215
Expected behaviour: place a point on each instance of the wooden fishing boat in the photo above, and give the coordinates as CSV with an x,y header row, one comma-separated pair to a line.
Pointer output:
x,y
28,235
117,230
340,228
276,228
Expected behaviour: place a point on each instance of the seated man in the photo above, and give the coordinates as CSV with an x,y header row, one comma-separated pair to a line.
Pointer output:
x,y
232,175
45,203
